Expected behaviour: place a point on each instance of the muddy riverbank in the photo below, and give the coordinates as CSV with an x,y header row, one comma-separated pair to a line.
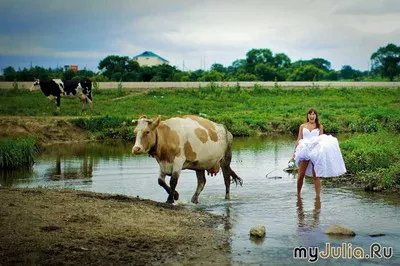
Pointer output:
x,y
60,227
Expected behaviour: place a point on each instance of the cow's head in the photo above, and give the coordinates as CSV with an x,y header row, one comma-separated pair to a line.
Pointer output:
x,y
35,83
145,133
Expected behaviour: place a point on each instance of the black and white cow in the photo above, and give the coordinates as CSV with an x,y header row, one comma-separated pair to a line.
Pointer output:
x,y
55,89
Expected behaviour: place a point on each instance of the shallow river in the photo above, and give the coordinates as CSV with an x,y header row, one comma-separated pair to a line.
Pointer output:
x,y
267,197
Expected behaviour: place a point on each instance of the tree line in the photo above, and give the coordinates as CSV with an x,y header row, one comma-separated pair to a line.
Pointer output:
x,y
259,65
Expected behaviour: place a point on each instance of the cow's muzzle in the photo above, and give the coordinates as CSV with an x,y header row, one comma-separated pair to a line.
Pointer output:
x,y
137,150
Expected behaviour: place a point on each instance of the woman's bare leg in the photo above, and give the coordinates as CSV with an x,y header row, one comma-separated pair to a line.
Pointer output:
x,y
317,184
300,176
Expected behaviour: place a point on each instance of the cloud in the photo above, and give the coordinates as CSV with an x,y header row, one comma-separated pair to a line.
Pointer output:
x,y
343,32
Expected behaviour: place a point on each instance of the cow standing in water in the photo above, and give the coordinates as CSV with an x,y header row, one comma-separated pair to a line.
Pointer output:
x,y
55,89
189,142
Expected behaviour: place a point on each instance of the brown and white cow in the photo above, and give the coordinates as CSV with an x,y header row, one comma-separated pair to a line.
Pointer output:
x,y
188,142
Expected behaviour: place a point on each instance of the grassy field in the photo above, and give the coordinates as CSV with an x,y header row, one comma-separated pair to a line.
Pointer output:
x,y
243,111
372,115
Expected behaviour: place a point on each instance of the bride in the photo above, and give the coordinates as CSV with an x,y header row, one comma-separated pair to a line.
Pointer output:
x,y
316,154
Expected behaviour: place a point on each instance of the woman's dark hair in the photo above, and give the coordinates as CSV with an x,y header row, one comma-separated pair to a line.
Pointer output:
x,y
316,116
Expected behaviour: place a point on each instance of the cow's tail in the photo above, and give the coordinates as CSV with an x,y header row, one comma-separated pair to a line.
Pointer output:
x,y
228,158
235,177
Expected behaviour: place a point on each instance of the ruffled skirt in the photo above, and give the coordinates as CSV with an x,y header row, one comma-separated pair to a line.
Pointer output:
x,y
324,154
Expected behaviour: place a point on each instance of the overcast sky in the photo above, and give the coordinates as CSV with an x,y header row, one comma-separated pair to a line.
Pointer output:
x,y
52,33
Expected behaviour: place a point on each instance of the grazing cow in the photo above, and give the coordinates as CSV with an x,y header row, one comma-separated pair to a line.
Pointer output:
x,y
55,89
189,142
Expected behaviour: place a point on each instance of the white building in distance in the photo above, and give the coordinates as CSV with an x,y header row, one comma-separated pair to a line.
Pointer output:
x,y
149,58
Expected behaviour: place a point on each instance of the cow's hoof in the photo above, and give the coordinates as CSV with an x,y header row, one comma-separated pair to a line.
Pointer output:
x,y
170,200
195,200
176,195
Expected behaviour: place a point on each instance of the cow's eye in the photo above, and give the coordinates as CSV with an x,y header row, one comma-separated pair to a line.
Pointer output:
x,y
147,132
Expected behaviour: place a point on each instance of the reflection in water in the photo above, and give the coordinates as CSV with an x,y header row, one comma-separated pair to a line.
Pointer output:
x,y
308,221
7,177
83,170
66,165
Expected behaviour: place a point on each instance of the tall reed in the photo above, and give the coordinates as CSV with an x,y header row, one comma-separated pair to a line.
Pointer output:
x,y
18,152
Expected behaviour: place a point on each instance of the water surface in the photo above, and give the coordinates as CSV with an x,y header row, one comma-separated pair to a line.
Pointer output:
x,y
267,197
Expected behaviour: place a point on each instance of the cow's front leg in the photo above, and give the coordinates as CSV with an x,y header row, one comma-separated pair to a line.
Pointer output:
x,y
58,103
201,181
172,183
161,182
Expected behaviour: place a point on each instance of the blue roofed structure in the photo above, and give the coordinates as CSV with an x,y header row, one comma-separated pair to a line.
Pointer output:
x,y
149,58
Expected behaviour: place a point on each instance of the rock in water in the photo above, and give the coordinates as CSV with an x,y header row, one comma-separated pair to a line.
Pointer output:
x,y
258,231
339,230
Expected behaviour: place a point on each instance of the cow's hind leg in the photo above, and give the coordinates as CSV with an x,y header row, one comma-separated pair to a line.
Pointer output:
x,y
161,182
83,104
91,104
201,182
226,171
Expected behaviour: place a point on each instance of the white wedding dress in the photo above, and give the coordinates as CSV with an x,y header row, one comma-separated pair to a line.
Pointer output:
x,y
322,151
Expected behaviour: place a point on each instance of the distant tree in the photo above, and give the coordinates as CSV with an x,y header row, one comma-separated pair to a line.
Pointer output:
x,y
212,75
218,67
237,64
9,74
114,66
83,74
386,61
257,56
181,76
282,60
347,72
196,75
331,75
265,72
130,76
163,72
244,76
321,63
36,72
146,73
307,73
68,74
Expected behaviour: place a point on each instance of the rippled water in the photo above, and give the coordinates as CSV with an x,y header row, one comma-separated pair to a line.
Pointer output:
x,y
267,197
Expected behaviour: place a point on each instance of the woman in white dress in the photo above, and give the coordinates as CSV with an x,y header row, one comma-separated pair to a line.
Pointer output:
x,y
316,154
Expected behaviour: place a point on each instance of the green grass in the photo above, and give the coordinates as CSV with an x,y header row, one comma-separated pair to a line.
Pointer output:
x,y
245,111
17,153
373,159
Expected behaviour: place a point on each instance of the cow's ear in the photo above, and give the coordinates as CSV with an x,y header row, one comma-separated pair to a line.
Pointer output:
x,y
155,123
